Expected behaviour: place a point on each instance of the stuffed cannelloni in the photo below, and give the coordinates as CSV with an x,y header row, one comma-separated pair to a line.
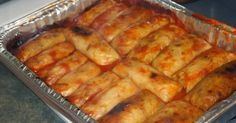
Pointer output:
x,y
125,61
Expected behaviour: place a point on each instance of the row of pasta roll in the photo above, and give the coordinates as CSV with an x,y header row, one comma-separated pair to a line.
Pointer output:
x,y
122,63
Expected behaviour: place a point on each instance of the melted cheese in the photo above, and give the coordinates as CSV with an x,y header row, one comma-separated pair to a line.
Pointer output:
x,y
179,53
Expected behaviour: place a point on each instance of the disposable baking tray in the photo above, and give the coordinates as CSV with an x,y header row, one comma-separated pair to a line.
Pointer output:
x,y
11,36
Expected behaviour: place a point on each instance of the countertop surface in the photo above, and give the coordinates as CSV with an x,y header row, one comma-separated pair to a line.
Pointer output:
x,y
18,104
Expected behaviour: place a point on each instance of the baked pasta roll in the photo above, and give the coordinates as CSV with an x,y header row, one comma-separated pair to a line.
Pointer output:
x,y
104,101
149,47
44,71
66,65
146,77
215,87
109,15
176,112
93,46
130,38
71,81
201,66
90,88
130,61
121,23
179,53
43,42
88,16
135,109
50,56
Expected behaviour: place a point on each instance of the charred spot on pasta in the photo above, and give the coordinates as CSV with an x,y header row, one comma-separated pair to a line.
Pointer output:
x,y
153,75
81,30
119,108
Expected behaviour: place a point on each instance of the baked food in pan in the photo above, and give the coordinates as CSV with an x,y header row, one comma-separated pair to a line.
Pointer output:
x,y
131,63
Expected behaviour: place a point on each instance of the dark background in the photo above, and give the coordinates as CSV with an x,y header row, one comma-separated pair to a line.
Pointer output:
x,y
222,10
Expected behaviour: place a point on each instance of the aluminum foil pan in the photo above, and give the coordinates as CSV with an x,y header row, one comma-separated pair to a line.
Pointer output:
x,y
215,33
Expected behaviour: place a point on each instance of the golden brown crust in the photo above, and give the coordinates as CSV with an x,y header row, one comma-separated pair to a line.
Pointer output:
x,y
200,67
109,15
71,81
148,78
122,22
43,42
50,56
131,37
179,53
135,109
128,61
149,47
176,112
93,46
215,87
103,102
54,72
90,88
88,17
